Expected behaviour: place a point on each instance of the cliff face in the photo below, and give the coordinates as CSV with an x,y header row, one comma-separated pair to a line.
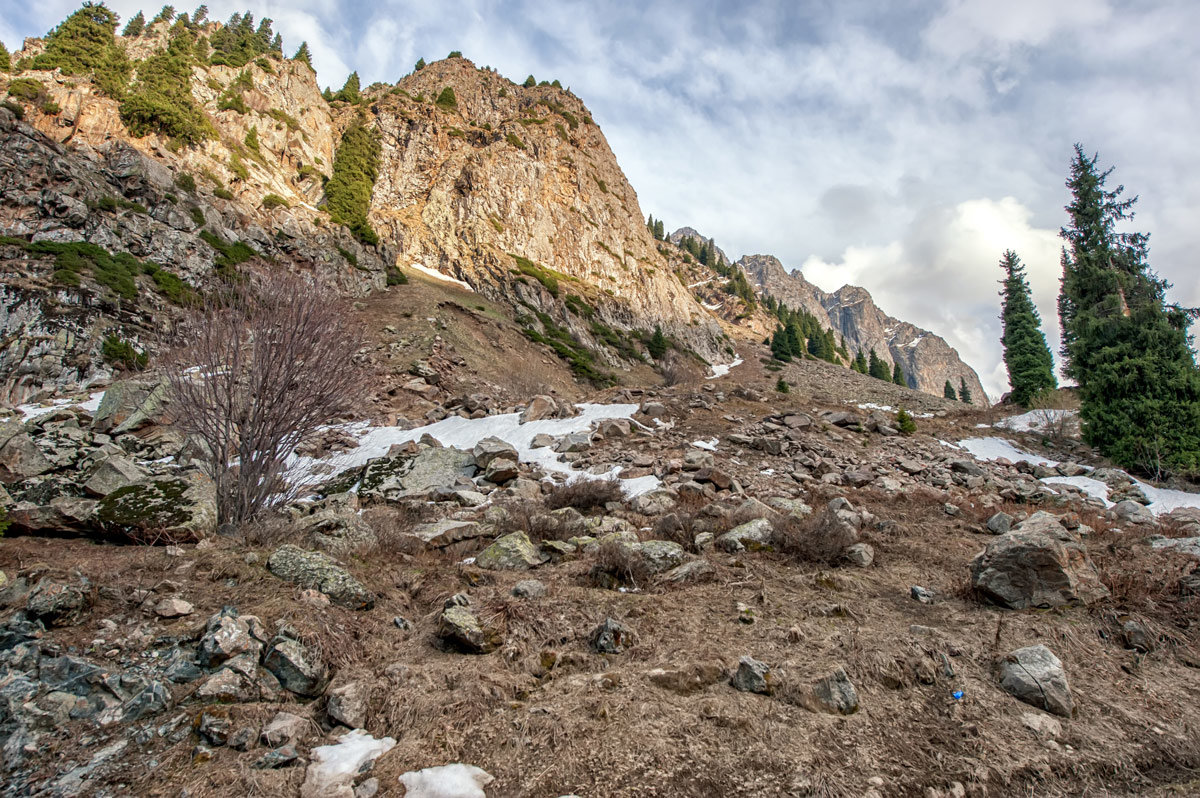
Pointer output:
x,y
927,360
463,186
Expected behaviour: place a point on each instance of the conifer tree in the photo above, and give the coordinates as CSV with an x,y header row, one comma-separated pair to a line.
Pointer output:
x,y
780,348
1126,346
948,391
350,92
877,368
657,346
860,363
898,375
199,16
303,55
530,82
1026,356
964,393
135,26
419,65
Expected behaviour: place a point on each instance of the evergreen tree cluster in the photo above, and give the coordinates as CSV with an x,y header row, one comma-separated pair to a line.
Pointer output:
x,y
705,252
1026,355
1126,346
355,169
656,228
239,42
160,100
949,392
799,334
85,43
877,368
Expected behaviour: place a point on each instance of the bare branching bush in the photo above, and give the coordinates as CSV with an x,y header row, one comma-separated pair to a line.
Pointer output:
x,y
618,566
678,370
258,369
807,540
392,524
585,495
1055,416
268,530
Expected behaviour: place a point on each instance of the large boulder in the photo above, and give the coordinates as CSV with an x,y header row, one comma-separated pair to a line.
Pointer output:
x,y
63,515
753,535
129,405
490,449
175,508
321,572
513,552
298,668
111,474
460,629
227,635
1037,564
20,459
1035,676
419,477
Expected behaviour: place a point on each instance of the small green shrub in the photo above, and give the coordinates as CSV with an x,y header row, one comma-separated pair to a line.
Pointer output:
x,y
283,116
350,257
446,100
230,256
251,139
396,277
71,259
4,522
50,108
905,422
185,182
26,89
238,167
223,193
14,108
514,140
543,275
782,386
455,54
272,201
175,290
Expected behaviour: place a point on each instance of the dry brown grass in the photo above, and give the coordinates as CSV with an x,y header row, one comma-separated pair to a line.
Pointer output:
x,y
585,495
617,565
806,540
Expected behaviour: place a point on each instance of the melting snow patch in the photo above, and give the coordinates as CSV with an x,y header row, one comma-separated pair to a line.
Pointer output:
x,y
1000,448
714,306
915,341
435,274
873,406
1164,500
91,405
710,444
721,369
464,433
334,767
1035,420
1092,487
447,781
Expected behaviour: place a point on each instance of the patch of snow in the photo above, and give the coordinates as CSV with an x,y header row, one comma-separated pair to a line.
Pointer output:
x,y
873,406
335,766
983,426
714,306
1164,500
91,405
447,781
915,341
1092,487
435,274
702,282
988,449
710,444
1035,420
721,369
464,433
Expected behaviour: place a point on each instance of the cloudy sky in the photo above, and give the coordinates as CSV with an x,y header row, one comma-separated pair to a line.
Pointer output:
x,y
901,146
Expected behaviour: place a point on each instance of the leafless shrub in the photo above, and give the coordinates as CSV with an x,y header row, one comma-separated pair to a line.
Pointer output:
x,y
258,369
678,370
617,566
692,515
1055,416
585,494
392,524
809,540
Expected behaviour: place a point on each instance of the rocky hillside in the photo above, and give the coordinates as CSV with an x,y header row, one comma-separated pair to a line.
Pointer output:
x,y
511,190
927,360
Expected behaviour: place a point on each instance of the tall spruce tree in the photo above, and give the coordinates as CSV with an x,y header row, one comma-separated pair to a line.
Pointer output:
x,y
948,391
898,375
1026,355
1126,346
860,363
964,393
877,368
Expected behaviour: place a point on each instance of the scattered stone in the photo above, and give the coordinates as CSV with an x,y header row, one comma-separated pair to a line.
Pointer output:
x,y
460,628
172,608
654,503
111,474
213,725
860,554
1034,675
1044,726
282,757
753,535
284,728
611,637
347,705
688,680
1137,636
58,603
753,676
1131,512
491,449
922,594
227,635
835,694
298,669
1000,523
696,570
320,572
513,552
529,589
660,555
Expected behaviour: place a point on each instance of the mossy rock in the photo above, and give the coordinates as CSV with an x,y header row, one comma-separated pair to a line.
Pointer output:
x,y
177,508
